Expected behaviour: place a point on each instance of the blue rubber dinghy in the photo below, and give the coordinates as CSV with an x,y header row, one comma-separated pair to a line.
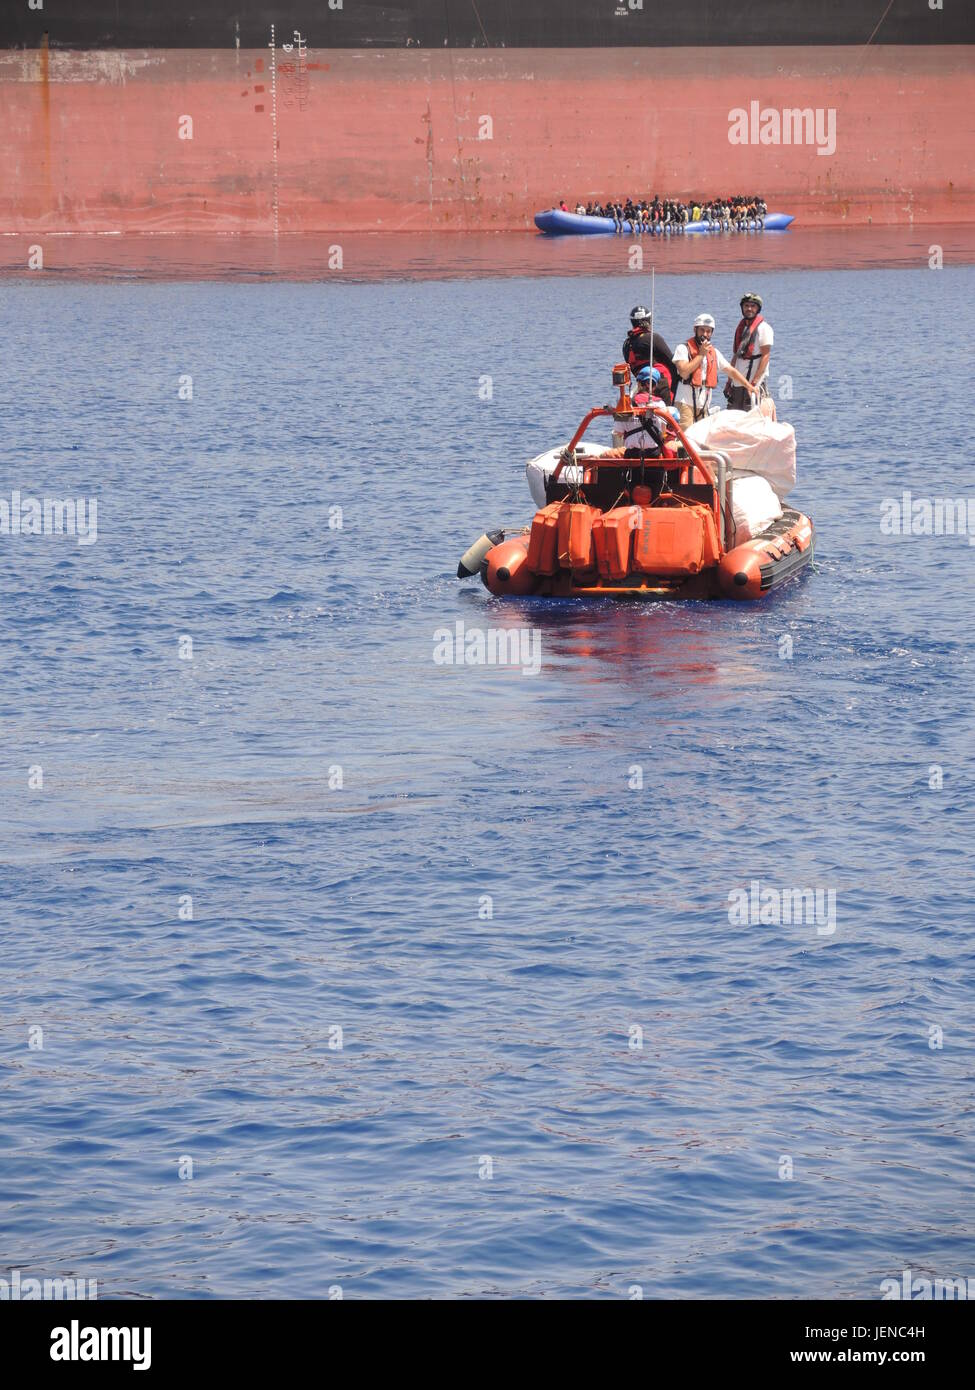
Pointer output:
x,y
559,223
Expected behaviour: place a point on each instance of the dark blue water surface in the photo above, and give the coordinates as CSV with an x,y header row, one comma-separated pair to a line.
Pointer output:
x,y
486,908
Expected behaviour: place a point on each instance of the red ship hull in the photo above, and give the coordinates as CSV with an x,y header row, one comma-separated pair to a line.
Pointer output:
x,y
452,139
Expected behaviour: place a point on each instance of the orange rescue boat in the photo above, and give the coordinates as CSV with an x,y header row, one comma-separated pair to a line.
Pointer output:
x,y
640,527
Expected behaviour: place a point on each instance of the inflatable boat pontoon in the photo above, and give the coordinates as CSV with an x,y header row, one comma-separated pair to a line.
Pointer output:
x,y
559,223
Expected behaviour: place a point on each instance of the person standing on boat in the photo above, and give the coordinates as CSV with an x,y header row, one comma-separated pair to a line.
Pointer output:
x,y
752,350
644,348
698,363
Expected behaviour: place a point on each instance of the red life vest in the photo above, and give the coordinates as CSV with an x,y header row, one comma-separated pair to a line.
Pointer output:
x,y
711,380
644,398
635,359
745,335
744,349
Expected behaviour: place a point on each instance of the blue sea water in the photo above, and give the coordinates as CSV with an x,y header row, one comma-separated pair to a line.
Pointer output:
x,y
488,910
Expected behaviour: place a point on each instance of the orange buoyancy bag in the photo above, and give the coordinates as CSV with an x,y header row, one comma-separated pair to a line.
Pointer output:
x,y
576,551
613,536
675,540
543,543
712,545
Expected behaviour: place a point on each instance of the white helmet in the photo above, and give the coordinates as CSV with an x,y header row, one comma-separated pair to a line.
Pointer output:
x,y
704,321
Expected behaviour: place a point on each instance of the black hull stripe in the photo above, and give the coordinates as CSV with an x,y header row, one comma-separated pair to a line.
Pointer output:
x,y
108,24
776,572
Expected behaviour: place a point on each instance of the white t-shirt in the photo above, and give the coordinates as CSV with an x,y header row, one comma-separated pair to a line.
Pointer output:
x,y
763,339
684,394
638,438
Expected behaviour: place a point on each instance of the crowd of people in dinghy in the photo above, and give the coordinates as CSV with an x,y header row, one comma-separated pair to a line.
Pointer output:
x,y
685,380
738,213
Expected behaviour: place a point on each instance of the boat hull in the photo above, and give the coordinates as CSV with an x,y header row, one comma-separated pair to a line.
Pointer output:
x,y
749,571
555,222
316,137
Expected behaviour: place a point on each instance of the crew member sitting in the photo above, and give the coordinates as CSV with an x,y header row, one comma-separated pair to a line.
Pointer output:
x,y
697,363
642,436
652,390
654,380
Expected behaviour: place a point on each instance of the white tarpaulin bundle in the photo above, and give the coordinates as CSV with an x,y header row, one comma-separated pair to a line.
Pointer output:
x,y
539,469
754,506
753,444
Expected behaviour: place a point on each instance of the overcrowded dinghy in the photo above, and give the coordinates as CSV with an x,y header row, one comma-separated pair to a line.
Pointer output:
x,y
556,222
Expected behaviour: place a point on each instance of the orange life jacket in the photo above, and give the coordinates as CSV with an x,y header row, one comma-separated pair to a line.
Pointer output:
x,y
694,347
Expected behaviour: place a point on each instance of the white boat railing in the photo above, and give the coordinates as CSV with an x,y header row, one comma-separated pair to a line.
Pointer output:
x,y
725,514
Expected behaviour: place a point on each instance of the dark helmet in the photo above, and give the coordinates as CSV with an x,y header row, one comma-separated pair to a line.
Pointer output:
x,y
754,298
639,315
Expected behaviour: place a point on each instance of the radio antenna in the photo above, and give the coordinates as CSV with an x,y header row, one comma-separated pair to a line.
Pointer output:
x,y
653,290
